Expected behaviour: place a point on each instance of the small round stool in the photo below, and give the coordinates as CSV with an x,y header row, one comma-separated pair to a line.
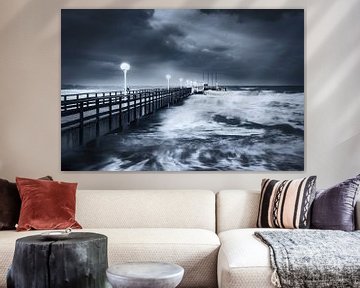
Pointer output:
x,y
145,275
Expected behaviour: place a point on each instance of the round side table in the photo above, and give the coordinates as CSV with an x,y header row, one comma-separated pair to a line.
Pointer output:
x,y
145,275
78,261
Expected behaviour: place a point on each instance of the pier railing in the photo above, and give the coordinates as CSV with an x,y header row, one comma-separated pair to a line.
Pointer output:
x,y
84,117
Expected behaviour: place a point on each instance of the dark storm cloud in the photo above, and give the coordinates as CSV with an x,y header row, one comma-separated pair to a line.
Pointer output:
x,y
243,46
94,42
268,15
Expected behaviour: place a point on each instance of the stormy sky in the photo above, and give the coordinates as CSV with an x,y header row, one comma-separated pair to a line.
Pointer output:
x,y
244,47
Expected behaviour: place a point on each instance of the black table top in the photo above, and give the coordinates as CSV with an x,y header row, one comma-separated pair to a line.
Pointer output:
x,y
72,238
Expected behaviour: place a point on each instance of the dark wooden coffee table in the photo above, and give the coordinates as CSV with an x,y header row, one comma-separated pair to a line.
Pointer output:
x,y
78,261
145,275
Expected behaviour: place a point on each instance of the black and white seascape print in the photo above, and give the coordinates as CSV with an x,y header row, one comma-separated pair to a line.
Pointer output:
x,y
182,90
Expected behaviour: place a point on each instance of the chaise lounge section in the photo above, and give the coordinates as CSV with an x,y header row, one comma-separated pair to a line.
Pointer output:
x,y
244,260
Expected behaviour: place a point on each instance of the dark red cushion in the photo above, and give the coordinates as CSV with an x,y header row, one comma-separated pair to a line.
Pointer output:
x,y
46,204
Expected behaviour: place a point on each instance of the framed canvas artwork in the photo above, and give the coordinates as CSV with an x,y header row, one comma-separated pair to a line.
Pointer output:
x,y
182,90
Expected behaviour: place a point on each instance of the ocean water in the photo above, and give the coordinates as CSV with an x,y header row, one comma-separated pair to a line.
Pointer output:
x,y
243,128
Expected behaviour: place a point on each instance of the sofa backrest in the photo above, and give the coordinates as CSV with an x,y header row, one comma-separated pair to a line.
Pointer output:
x,y
239,209
236,209
146,209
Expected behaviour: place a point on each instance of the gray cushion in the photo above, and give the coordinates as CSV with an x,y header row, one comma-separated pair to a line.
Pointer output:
x,y
334,208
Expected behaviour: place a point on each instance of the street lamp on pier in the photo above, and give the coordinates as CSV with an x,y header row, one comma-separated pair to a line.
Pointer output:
x,y
168,77
125,67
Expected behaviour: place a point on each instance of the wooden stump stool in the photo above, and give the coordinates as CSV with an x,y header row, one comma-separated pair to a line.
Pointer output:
x,y
78,261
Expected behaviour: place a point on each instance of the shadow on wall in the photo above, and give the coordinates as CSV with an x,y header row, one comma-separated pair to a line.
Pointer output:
x,y
345,65
46,11
337,66
340,71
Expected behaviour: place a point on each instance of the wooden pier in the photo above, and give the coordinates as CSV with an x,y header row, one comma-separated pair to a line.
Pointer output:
x,y
85,117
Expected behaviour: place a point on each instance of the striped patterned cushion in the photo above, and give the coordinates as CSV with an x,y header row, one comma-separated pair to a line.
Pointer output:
x,y
286,204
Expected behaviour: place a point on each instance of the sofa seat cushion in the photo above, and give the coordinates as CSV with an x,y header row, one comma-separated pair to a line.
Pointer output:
x,y
194,249
244,261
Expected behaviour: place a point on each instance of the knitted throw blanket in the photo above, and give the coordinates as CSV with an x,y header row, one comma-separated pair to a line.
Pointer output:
x,y
313,258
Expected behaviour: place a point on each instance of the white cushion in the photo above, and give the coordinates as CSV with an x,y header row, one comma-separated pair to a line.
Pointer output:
x,y
146,209
194,249
244,261
236,209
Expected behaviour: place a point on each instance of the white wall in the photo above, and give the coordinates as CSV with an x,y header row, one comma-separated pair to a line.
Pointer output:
x,y
30,87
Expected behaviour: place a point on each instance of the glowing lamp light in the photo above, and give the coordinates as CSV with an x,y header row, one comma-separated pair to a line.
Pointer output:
x,y
168,77
125,66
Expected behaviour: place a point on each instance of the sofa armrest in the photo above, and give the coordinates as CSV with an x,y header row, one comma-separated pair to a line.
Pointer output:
x,y
357,215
